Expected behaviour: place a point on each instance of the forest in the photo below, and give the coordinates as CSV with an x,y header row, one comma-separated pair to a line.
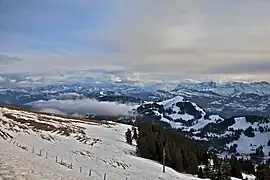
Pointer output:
x,y
177,151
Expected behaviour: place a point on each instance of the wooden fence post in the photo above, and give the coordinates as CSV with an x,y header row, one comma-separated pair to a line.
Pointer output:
x,y
56,159
164,155
105,176
71,165
80,169
90,172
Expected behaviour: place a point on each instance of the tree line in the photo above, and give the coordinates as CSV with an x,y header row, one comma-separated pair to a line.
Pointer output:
x,y
187,155
182,154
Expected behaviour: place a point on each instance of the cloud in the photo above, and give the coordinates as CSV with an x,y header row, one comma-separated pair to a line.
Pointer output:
x,y
83,106
250,67
6,59
53,111
154,38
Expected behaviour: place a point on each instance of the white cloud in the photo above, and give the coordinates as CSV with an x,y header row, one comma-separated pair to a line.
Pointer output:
x,y
83,106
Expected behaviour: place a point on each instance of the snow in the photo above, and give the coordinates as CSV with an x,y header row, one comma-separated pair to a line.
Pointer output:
x,y
17,164
109,153
244,142
225,134
215,118
240,123
198,108
215,102
174,125
170,102
248,176
199,138
198,124
185,116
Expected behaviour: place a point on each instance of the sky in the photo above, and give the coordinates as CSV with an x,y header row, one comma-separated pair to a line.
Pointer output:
x,y
142,40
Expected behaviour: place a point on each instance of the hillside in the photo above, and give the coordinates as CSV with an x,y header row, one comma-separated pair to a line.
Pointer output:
x,y
178,113
240,135
30,143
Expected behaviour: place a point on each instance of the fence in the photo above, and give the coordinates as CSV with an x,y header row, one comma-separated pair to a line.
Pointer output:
x,y
58,160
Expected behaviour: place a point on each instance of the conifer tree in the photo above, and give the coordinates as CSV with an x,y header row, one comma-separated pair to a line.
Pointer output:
x,y
235,168
128,135
267,172
208,171
247,166
200,173
178,160
135,134
205,158
221,171
263,172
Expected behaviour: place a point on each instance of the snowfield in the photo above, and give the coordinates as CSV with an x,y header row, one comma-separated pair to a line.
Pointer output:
x,y
96,146
175,116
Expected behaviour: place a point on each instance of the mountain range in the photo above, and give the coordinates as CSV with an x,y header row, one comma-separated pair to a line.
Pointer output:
x,y
230,99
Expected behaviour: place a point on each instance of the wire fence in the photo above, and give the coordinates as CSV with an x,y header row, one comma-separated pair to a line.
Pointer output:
x,y
59,160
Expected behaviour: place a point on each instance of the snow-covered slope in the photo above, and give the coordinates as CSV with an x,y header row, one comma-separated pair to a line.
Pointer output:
x,y
99,146
179,113
242,136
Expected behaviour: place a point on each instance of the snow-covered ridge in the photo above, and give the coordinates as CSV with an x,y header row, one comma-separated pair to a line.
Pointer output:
x,y
179,113
99,146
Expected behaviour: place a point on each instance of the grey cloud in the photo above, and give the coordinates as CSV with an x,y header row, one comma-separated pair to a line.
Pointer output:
x,y
6,59
168,40
194,38
243,68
